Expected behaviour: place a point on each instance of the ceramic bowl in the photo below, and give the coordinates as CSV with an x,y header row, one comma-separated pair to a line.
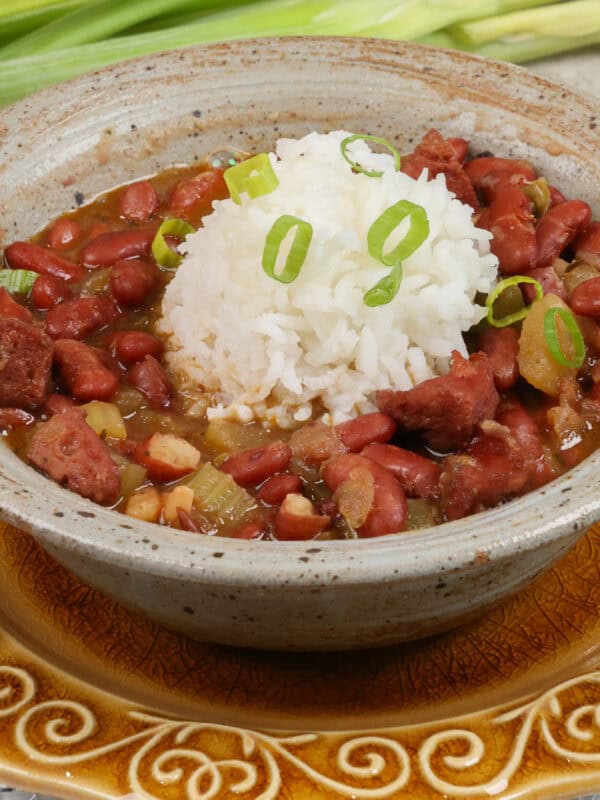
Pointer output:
x,y
66,144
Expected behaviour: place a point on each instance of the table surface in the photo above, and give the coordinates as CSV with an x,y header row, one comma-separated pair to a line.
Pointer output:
x,y
581,71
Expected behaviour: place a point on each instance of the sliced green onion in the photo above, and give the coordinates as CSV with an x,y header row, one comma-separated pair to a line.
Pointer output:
x,y
384,290
298,250
254,176
387,223
514,280
161,251
365,138
538,192
17,281
553,342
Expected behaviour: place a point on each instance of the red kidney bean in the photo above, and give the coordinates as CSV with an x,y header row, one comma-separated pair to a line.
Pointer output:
x,y
418,476
63,234
9,308
24,255
251,530
585,299
58,403
15,418
110,247
198,191
361,431
186,523
388,514
523,428
82,371
80,316
587,245
559,226
296,520
501,345
275,489
138,202
489,173
132,280
251,467
460,147
510,219
556,196
549,280
133,346
48,292
150,379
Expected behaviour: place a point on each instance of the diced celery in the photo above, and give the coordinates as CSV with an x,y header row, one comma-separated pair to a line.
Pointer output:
x,y
105,419
218,496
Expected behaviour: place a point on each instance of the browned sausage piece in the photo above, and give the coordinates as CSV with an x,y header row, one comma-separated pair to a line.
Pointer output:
x,y
252,467
559,226
110,247
67,450
297,520
24,255
133,346
25,364
150,379
361,431
138,201
448,409
418,476
526,433
389,509
48,292
132,280
83,372
9,308
79,316
501,345
58,404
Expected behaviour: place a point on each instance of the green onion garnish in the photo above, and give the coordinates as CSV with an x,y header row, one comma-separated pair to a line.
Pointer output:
x,y
254,176
384,290
298,250
553,342
161,251
384,226
383,142
17,281
509,319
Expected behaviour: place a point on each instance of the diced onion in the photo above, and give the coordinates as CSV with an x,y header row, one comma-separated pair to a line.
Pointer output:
x,y
17,281
298,251
255,176
384,290
386,223
365,138
553,341
161,251
510,319
105,419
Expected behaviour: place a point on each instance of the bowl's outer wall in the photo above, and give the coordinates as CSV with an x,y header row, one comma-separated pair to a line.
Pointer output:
x,y
81,138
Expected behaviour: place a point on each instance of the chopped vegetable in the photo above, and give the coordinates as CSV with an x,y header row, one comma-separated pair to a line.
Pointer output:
x,y
384,290
377,140
161,251
497,292
297,253
17,281
538,192
255,176
179,497
386,224
219,496
105,419
132,477
554,345
145,505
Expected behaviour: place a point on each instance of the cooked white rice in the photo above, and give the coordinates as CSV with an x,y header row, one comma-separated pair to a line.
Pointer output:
x,y
270,350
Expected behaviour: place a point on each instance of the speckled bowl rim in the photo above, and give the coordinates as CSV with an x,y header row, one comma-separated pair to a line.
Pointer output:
x,y
567,505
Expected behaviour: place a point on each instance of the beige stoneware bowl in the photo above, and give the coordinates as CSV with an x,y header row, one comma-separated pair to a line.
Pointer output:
x,y
134,119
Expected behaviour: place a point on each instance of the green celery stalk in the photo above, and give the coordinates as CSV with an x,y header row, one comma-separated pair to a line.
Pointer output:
x,y
521,50
11,7
25,21
572,19
95,21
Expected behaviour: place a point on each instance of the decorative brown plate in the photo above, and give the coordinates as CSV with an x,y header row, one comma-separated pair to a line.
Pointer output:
x,y
96,702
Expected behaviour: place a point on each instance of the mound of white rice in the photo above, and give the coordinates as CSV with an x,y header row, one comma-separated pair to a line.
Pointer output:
x,y
271,350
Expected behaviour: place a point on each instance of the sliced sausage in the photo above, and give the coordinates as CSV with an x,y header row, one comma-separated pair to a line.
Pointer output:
x,y
67,450
132,280
10,309
110,247
418,476
83,371
24,255
252,467
388,513
361,431
77,317
151,380
25,364
58,404
138,202
446,410
501,346
297,520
